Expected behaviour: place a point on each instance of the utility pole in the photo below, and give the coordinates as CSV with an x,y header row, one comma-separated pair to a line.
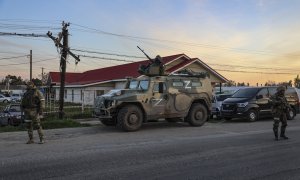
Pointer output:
x,y
63,59
43,76
30,57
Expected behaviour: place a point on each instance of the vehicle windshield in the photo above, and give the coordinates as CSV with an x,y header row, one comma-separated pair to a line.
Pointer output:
x,y
245,93
143,84
222,97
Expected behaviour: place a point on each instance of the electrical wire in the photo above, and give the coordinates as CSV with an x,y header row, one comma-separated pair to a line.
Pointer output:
x,y
28,62
13,57
105,58
24,35
104,53
94,30
226,70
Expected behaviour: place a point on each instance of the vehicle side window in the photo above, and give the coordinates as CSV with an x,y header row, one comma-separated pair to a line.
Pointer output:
x,y
144,85
177,83
196,84
263,92
155,87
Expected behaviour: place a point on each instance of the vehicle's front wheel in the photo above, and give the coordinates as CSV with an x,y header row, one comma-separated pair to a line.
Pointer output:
x,y
197,115
130,118
252,115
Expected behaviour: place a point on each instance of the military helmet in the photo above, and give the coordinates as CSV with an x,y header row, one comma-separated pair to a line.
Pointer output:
x,y
30,85
281,88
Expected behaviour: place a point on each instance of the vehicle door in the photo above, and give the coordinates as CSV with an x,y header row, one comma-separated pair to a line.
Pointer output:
x,y
262,100
159,99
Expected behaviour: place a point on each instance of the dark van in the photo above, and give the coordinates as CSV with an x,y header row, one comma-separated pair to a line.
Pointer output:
x,y
253,103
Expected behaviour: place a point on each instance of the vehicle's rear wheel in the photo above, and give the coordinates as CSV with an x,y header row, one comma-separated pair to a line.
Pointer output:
x,y
130,118
197,115
252,115
108,122
5,101
172,120
291,114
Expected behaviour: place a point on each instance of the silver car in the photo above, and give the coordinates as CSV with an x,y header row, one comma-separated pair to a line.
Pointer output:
x,y
4,99
217,104
11,115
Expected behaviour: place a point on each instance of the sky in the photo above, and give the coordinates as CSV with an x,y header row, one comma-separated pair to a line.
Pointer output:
x,y
251,41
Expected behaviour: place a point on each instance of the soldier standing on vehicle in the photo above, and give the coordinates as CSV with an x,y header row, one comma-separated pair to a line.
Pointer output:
x,y
280,107
33,104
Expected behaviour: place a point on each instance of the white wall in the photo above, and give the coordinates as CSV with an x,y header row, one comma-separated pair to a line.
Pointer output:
x,y
120,85
89,94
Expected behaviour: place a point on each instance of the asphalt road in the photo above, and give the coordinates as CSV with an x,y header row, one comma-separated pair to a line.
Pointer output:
x,y
220,150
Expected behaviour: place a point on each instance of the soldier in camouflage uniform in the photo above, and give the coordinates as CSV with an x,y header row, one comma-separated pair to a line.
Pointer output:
x,y
33,104
280,107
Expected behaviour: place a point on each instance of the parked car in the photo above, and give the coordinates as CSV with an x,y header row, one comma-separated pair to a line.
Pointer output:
x,y
16,97
253,103
11,115
4,98
217,105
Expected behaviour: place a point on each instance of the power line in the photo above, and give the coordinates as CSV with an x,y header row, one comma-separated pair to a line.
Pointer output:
x,y
255,67
93,30
105,58
104,53
24,35
28,62
13,57
226,70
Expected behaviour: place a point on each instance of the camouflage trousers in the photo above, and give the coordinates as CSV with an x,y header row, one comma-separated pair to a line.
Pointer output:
x,y
34,122
281,117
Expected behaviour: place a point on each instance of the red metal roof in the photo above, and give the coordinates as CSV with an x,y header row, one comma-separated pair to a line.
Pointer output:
x,y
106,74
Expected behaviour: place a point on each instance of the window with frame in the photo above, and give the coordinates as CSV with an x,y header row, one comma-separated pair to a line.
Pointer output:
x,y
177,83
196,84
72,95
66,94
99,92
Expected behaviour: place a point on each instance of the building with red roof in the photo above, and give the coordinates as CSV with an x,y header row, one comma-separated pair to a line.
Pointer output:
x,y
85,86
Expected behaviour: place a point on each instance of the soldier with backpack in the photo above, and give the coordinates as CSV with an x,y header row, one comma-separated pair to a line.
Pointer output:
x,y
33,104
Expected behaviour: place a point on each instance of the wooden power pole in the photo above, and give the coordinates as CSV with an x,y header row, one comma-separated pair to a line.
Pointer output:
x,y
63,59
30,59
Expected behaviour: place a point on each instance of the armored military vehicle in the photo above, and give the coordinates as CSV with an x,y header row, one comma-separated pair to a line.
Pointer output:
x,y
185,96
175,98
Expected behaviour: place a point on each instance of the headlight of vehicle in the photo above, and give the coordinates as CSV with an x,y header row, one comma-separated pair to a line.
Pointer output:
x,y
119,93
113,103
242,104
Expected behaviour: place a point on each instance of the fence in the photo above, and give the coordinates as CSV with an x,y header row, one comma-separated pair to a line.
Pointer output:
x,y
71,110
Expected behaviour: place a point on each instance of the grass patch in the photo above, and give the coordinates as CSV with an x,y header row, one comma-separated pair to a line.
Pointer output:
x,y
47,124
12,128
64,123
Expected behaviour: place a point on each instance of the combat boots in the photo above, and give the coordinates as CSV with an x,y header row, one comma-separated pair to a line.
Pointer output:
x,y
30,141
282,133
42,141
